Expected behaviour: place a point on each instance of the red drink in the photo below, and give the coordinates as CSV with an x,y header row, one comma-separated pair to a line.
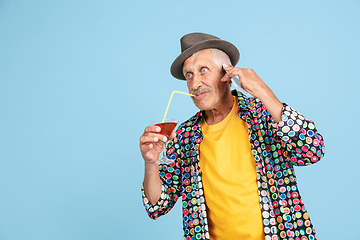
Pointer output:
x,y
166,128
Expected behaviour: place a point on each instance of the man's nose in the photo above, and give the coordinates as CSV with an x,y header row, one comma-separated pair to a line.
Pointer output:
x,y
197,81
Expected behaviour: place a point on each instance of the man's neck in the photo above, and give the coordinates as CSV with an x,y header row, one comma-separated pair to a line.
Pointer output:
x,y
219,113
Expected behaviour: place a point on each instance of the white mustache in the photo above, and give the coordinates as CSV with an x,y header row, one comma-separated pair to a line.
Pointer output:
x,y
202,89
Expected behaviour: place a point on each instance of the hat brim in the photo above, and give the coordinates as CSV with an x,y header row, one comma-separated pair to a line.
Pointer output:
x,y
177,66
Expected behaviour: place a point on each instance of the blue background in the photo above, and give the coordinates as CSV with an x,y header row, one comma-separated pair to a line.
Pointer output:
x,y
79,81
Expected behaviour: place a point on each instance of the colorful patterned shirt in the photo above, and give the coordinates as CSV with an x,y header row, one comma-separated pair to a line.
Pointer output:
x,y
277,148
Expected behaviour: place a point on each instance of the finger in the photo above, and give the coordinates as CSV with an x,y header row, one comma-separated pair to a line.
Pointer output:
x,y
239,72
233,70
145,139
227,67
146,149
152,138
227,77
152,128
172,136
230,72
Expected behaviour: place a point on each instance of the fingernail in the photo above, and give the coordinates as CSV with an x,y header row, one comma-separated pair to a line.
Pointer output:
x,y
225,65
156,139
165,139
158,129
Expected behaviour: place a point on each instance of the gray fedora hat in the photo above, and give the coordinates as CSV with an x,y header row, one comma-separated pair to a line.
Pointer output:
x,y
194,42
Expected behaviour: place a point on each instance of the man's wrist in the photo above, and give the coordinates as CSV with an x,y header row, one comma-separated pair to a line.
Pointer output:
x,y
151,165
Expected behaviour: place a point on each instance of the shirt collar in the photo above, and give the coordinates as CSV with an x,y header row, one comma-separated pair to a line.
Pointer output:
x,y
245,104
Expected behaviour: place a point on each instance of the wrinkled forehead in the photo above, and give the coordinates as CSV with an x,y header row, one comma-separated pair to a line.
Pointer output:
x,y
198,57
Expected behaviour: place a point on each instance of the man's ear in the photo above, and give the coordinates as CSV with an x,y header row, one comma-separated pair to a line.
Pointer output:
x,y
223,72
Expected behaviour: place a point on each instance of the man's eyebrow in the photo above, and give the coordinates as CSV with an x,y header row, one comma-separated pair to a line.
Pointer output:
x,y
186,70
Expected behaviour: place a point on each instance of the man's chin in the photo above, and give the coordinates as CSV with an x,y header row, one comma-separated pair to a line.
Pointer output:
x,y
201,106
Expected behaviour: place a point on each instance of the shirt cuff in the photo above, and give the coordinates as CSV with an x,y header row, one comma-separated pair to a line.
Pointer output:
x,y
160,205
290,125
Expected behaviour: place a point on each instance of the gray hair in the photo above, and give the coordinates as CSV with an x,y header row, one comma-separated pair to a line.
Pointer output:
x,y
220,57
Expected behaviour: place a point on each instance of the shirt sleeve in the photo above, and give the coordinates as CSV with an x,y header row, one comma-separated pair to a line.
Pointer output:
x,y
159,208
303,144
171,183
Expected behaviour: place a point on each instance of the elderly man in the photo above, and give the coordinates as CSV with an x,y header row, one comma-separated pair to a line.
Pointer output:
x,y
234,160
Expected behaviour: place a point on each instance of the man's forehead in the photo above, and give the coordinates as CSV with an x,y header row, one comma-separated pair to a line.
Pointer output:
x,y
198,57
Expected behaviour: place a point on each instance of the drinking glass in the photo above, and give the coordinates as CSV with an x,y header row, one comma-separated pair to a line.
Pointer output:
x,y
167,125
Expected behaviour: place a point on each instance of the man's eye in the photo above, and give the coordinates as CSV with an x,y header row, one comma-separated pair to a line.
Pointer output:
x,y
188,75
203,70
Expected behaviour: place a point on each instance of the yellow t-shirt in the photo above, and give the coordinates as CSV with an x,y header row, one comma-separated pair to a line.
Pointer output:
x,y
229,180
